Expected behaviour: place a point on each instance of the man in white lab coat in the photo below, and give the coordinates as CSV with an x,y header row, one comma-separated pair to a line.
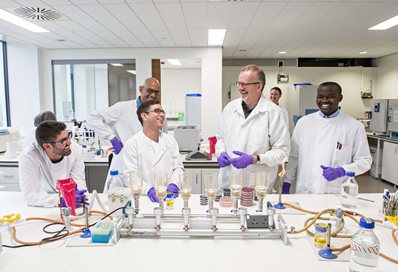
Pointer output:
x,y
325,145
253,133
52,157
151,151
119,122
276,94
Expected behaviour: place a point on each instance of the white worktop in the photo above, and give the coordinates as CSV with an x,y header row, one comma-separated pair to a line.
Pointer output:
x,y
185,254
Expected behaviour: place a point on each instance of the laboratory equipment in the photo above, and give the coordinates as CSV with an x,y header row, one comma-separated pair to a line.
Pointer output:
x,y
8,135
66,214
118,193
236,187
169,201
327,252
392,124
136,188
211,187
378,123
102,231
185,183
160,187
193,109
212,143
349,191
261,181
365,246
187,137
320,235
67,187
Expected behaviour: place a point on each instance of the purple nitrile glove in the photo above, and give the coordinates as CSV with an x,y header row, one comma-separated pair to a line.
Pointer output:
x,y
152,195
286,188
243,161
224,160
330,173
117,145
80,197
172,188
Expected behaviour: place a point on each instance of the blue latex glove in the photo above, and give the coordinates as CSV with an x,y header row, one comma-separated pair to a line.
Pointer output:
x,y
172,188
224,160
330,173
286,188
116,145
243,161
80,197
152,195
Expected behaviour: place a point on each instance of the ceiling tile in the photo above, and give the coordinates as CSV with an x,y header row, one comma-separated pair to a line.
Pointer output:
x,y
149,15
172,15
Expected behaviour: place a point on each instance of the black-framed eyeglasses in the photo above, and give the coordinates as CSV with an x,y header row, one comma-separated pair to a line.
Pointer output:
x,y
157,111
152,91
243,84
64,140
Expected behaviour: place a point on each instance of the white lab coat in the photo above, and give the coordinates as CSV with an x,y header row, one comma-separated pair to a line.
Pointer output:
x,y
29,139
335,142
263,133
38,175
285,115
140,153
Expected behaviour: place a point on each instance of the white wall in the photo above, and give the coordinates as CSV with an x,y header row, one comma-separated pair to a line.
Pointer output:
x,y
348,77
211,73
175,84
387,77
23,76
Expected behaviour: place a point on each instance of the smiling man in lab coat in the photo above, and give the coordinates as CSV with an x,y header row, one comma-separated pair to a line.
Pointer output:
x,y
325,145
253,133
119,122
151,151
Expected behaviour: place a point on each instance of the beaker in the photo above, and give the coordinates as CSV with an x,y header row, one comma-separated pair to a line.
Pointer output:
x,y
185,183
261,187
136,188
211,187
236,183
160,184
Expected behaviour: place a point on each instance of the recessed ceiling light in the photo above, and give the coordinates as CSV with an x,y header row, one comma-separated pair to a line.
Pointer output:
x,y
131,72
174,61
60,40
386,24
363,52
11,18
116,64
282,52
216,36
242,50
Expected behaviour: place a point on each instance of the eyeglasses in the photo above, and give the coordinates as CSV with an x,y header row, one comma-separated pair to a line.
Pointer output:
x,y
243,84
157,111
64,140
152,91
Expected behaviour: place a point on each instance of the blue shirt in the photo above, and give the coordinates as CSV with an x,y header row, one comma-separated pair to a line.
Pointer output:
x,y
333,115
138,101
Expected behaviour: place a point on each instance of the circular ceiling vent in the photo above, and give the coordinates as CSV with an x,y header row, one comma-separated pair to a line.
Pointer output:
x,y
38,14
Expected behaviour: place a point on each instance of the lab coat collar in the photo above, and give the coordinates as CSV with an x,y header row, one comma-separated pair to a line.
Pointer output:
x,y
333,115
260,107
159,151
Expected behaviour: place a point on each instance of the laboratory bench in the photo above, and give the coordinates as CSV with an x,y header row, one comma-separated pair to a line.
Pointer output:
x,y
384,151
97,170
184,254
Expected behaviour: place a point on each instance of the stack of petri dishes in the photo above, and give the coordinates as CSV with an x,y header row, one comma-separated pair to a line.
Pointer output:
x,y
227,192
217,198
247,196
226,201
204,200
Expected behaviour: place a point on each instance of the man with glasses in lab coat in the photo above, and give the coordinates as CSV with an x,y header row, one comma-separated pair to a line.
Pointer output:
x,y
325,145
151,151
253,133
52,157
119,122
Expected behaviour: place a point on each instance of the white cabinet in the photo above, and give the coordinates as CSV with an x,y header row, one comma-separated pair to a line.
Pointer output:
x,y
389,170
9,178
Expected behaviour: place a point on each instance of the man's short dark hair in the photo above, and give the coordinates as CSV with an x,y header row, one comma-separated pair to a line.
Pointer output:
x,y
47,131
332,85
144,107
278,89
258,70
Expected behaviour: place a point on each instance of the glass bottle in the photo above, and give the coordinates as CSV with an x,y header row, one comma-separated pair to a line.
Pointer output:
x,y
320,235
349,191
365,246
118,194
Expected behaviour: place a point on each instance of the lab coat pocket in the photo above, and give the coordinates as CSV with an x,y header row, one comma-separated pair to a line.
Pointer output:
x,y
343,154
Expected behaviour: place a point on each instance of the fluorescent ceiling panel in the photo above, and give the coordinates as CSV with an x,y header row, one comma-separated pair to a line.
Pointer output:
x,y
216,36
386,24
174,61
